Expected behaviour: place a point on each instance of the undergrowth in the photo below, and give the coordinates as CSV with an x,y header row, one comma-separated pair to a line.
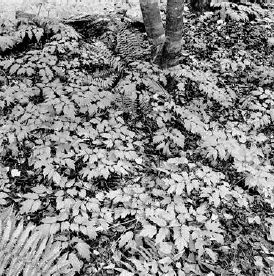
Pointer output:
x,y
137,170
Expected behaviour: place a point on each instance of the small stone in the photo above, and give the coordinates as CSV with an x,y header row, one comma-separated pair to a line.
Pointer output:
x,y
270,41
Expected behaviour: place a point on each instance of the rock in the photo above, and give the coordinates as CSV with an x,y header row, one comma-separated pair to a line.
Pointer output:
x,y
270,41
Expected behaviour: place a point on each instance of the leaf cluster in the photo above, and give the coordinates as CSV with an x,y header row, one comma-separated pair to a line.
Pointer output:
x,y
149,169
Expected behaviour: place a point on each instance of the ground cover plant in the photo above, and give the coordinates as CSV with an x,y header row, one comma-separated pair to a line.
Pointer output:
x,y
110,165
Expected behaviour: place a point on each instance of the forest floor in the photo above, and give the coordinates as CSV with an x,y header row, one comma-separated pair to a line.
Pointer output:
x,y
136,170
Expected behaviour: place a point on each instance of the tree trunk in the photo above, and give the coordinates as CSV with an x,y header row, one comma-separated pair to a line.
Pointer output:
x,y
154,26
174,29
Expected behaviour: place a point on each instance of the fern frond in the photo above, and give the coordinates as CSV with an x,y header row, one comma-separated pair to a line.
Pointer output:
x,y
131,45
50,255
60,266
26,250
102,82
6,233
126,97
131,101
102,73
33,253
104,56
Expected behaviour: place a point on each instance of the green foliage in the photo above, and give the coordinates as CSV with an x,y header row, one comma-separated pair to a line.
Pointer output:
x,y
137,170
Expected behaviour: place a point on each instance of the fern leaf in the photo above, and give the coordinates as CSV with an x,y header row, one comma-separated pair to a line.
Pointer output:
x,y
62,266
1,229
23,239
30,242
33,241
50,256
6,234
30,269
27,250
131,45
4,256
40,250
15,235
5,260
15,267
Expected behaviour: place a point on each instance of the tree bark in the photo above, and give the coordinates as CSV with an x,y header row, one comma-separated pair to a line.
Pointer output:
x,y
174,32
154,26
